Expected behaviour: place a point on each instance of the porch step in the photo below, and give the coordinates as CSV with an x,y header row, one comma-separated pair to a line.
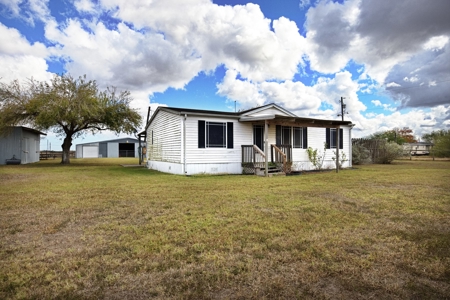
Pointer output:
x,y
277,174
273,171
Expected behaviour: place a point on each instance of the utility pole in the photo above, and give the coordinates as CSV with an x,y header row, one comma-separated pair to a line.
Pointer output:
x,y
342,108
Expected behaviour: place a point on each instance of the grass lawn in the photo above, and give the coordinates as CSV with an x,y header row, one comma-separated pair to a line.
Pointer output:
x,y
96,230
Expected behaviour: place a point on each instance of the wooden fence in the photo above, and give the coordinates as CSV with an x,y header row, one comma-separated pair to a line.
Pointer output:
x,y
50,154
375,146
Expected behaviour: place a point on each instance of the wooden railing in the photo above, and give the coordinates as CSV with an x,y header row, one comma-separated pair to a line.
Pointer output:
x,y
282,156
251,154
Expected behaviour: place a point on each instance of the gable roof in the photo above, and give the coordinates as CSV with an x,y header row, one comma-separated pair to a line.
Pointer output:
x,y
268,107
270,111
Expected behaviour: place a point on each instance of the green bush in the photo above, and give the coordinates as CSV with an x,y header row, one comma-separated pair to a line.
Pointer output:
x,y
390,152
317,158
360,155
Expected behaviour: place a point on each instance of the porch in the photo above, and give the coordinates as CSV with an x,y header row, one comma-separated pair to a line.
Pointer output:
x,y
254,160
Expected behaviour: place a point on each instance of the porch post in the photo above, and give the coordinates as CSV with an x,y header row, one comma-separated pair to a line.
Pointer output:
x,y
337,148
266,147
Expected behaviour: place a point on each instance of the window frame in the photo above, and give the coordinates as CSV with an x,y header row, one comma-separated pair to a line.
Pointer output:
x,y
223,129
331,138
297,142
212,130
303,142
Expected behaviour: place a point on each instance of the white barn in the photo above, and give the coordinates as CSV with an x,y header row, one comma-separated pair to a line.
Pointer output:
x,y
123,147
191,141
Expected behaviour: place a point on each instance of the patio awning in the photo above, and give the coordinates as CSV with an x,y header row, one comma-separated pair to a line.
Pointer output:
x,y
309,122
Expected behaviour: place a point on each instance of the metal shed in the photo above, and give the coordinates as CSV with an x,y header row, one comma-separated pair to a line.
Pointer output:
x,y
123,147
21,143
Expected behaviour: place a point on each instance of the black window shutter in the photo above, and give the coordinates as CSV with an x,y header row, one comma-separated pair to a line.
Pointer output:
x,y
341,138
278,135
201,134
230,135
305,137
327,137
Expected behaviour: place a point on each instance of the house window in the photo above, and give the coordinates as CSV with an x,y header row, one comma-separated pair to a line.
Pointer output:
x,y
286,134
331,138
215,134
297,137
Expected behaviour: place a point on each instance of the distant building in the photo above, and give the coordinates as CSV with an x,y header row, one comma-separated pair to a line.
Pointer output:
x,y
21,143
124,147
419,148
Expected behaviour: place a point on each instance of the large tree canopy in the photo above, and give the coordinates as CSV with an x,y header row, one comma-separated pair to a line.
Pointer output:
x,y
69,107
398,135
441,140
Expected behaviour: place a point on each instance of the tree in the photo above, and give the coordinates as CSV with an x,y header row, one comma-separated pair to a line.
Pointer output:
x,y
398,135
391,151
441,141
67,106
406,134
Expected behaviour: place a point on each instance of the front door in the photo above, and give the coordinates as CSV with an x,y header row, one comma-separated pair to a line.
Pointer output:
x,y
258,136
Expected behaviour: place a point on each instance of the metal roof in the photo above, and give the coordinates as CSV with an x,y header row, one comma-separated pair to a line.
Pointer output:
x,y
132,140
243,118
31,130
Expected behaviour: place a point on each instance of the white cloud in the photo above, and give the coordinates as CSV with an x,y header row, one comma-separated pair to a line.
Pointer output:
x,y
436,43
239,37
84,6
393,84
338,33
245,92
18,57
376,102
28,10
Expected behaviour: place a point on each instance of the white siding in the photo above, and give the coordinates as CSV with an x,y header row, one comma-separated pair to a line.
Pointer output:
x,y
270,111
316,140
169,151
267,111
164,138
242,135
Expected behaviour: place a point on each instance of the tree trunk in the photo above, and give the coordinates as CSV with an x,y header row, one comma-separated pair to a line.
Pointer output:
x,y
66,150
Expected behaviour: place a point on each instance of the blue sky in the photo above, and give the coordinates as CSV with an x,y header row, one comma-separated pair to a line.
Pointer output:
x,y
389,59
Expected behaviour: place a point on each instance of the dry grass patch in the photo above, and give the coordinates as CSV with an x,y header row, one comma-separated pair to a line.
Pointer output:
x,y
98,230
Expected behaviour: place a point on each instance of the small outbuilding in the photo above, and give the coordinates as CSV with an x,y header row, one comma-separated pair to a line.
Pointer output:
x,y
124,147
20,145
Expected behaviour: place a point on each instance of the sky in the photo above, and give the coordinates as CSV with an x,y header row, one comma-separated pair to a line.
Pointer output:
x,y
390,60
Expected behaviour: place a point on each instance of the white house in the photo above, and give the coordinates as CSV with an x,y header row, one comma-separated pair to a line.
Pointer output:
x,y
193,141
418,148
